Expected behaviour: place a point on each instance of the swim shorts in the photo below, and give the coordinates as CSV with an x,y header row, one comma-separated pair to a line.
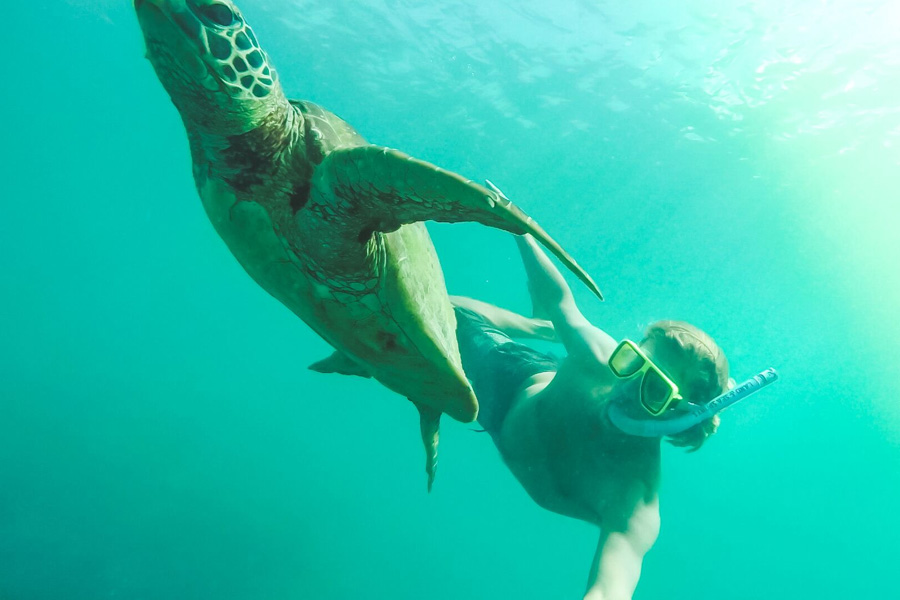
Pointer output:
x,y
496,365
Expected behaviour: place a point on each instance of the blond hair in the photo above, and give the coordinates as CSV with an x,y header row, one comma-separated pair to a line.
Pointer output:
x,y
694,345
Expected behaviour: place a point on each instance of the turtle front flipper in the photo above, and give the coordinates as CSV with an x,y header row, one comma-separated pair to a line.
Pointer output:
x,y
430,425
372,188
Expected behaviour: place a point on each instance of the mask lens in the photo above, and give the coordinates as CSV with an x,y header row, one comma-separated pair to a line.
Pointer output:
x,y
625,362
655,392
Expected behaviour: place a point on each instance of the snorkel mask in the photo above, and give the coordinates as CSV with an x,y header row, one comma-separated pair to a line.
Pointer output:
x,y
659,392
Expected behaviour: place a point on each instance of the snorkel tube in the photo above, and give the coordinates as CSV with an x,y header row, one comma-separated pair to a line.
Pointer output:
x,y
697,413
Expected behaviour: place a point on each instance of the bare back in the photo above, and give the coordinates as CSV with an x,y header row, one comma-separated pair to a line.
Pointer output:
x,y
559,444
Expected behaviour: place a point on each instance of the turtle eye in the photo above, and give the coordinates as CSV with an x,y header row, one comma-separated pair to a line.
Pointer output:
x,y
218,14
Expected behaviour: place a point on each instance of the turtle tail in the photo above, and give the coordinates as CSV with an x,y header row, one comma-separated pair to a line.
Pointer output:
x,y
429,423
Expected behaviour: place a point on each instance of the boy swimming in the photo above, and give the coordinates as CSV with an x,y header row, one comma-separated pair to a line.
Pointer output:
x,y
551,418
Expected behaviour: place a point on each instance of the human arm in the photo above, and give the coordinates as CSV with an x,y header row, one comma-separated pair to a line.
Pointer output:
x,y
511,323
617,563
554,300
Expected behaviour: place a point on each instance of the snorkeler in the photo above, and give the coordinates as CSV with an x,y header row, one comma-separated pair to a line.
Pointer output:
x,y
582,434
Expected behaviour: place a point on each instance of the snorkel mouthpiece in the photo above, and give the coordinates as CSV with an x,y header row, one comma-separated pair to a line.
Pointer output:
x,y
661,427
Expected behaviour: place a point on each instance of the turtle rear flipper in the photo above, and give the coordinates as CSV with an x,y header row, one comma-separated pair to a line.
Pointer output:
x,y
372,188
430,426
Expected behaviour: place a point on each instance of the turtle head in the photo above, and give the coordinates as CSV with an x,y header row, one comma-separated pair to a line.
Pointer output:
x,y
209,61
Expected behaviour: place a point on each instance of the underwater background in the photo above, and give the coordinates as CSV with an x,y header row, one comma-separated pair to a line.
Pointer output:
x,y
734,164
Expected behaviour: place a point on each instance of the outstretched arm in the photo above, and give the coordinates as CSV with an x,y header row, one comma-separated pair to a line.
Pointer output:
x,y
553,299
617,564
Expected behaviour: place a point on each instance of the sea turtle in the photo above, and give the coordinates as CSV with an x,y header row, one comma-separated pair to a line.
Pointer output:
x,y
325,222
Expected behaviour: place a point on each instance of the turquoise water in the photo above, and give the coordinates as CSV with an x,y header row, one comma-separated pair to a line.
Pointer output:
x,y
733,164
